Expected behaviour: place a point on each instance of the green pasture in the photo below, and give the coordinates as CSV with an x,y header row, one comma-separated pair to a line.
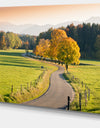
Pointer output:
x,y
91,62
17,70
90,75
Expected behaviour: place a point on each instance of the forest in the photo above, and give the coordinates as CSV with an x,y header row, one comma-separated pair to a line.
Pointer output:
x,y
10,40
87,37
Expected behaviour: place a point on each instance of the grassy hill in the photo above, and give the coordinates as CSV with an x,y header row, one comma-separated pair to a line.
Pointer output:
x,y
17,70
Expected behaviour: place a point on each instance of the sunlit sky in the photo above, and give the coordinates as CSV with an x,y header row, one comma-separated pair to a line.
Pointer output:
x,y
42,15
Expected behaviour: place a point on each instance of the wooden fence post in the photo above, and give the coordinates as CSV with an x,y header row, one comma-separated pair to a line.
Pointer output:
x,y
35,82
21,89
12,89
72,78
88,94
79,82
82,83
80,97
68,103
27,85
85,86
30,84
85,93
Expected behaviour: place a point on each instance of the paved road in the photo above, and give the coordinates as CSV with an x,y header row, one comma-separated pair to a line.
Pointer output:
x,y
56,96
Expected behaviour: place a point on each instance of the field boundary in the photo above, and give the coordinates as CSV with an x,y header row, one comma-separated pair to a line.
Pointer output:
x,y
49,78
55,64
23,91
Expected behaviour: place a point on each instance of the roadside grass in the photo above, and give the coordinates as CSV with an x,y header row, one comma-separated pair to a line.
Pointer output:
x,y
17,70
90,75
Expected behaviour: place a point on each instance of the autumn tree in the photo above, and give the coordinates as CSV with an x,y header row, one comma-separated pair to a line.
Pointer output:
x,y
68,51
85,34
56,36
60,47
43,48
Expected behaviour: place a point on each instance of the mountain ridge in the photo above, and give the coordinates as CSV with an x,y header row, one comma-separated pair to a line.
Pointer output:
x,y
34,29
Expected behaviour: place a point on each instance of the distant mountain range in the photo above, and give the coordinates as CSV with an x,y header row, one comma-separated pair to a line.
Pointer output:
x,y
34,29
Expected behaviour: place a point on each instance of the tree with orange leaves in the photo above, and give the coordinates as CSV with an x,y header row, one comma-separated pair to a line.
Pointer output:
x,y
60,47
64,48
56,36
43,48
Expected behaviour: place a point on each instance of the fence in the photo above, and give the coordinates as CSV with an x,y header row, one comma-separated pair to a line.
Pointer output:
x,y
84,93
13,89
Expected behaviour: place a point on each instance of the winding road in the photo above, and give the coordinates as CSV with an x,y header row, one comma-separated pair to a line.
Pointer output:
x,y
56,95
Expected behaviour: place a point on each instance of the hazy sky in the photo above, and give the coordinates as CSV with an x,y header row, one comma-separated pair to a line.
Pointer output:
x,y
48,14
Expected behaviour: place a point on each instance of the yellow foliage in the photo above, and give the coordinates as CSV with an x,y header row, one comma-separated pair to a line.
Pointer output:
x,y
68,51
56,36
42,48
60,47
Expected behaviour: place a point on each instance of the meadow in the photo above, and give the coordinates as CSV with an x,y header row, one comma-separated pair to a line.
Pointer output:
x,y
89,74
19,71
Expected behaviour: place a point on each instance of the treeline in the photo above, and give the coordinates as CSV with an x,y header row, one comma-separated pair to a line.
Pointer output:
x,y
86,35
11,40
30,39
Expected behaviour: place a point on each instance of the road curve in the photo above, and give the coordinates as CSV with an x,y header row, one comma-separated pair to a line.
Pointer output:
x,y
56,96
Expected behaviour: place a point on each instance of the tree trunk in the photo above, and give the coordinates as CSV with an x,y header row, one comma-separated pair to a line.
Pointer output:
x,y
66,66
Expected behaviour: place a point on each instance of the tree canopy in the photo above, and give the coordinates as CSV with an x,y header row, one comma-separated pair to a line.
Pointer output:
x,y
2,40
31,41
12,40
97,47
56,36
43,48
60,47
68,51
85,34
9,40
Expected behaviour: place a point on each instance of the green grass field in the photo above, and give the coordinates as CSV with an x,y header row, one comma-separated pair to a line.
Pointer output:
x,y
17,70
90,75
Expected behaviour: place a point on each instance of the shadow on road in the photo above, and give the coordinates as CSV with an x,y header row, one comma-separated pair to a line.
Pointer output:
x,y
61,76
64,107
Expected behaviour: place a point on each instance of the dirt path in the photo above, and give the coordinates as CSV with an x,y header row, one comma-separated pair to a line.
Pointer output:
x,y
56,96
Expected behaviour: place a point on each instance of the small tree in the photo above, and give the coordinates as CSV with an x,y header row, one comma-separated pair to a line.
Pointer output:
x,y
68,52
43,48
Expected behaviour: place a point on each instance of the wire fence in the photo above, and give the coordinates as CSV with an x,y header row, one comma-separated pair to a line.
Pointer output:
x,y
29,85
85,94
